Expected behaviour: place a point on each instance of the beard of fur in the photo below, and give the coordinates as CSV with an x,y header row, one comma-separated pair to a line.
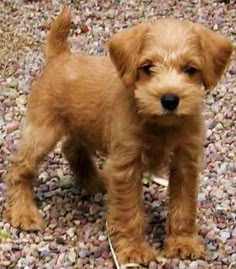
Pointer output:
x,y
148,99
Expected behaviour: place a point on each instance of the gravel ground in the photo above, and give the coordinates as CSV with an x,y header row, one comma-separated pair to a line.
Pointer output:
x,y
75,236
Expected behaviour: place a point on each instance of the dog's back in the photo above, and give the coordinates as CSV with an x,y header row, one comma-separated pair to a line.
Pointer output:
x,y
74,89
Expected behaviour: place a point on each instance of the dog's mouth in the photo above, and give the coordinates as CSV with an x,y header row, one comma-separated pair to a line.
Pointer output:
x,y
166,119
173,113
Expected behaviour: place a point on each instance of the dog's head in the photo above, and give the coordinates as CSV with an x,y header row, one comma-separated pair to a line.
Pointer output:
x,y
168,64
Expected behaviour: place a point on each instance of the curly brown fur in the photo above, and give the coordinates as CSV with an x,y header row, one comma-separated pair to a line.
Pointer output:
x,y
116,107
82,165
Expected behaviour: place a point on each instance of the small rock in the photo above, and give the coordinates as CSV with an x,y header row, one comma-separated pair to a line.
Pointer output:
x,y
13,84
212,245
83,253
193,265
100,49
16,247
98,197
44,253
52,226
48,238
102,237
60,240
21,100
224,236
218,194
71,256
98,253
93,209
215,255
71,232
53,247
11,93
215,27
211,235
201,196
12,126
152,265
181,265
65,182
5,247
233,258
84,28
60,259
203,264
5,263
105,254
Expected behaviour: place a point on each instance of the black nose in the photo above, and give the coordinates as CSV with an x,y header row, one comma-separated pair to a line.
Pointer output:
x,y
170,101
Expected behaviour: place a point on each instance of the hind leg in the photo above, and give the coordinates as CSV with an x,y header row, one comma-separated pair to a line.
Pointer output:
x,y
37,141
82,165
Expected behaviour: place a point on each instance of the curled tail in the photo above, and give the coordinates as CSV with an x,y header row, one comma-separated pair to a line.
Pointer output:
x,y
57,37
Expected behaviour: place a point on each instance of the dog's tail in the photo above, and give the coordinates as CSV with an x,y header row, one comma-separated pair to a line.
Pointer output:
x,y
57,42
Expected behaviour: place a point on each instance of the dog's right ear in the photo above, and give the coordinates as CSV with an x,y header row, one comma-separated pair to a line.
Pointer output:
x,y
217,50
125,48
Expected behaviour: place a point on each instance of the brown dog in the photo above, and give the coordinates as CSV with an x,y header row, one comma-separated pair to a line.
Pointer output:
x,y
141,109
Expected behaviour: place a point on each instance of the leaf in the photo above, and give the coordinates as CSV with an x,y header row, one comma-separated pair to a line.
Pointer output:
x,y
4,234
146,180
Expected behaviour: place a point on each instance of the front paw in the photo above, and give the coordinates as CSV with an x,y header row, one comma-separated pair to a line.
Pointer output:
x,y
25,218
139,252
188,246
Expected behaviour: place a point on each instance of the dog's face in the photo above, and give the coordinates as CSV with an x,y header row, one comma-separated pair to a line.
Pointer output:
x,y
168,64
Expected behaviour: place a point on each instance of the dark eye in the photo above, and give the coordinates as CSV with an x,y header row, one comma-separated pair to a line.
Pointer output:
x,y
146,68
190,70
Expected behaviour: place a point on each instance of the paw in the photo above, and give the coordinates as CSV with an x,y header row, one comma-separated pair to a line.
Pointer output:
x,y
184,247
138,252
92,185
28,219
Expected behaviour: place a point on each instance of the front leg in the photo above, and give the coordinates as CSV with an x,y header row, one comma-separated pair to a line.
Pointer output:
x,y
182,238
126,220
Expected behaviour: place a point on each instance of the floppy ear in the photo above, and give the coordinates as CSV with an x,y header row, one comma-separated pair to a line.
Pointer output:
x,y
125,48
217,51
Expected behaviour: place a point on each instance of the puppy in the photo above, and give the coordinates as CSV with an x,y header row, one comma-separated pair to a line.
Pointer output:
x,y
141,106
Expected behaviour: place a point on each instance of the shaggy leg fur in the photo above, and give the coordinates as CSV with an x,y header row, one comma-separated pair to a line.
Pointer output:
x,y
82,165
182,239
126,218
37,141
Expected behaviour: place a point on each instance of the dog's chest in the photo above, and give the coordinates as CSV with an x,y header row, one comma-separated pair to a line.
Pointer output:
x,y
157,150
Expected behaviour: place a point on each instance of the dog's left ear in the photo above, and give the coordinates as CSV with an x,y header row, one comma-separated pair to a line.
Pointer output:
x,y
217,51
125,48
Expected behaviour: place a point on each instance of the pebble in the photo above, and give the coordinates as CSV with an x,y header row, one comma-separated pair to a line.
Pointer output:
x,y
60,259
181,265
71,256
152,265
98,197
219,194
21,100
193,265
224,236
48,238
13,84
71,232
54,247
93,209
12,126
83,253
5,263
60,240
102,237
